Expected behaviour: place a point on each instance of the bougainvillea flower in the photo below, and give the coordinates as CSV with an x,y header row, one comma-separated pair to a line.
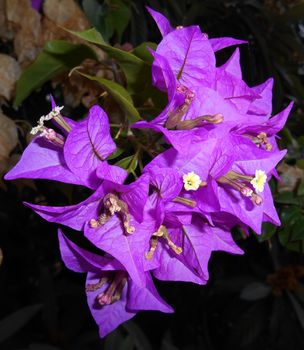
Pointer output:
x,y
172,248
264,134
230,85
182,207
112,295
187,110
165,28
56,156
162,22
110,218
190,56
133,196
88,144
178,102
196,241
226,169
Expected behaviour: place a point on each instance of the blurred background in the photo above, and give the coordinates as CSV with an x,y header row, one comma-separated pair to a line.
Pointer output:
x,y
255,301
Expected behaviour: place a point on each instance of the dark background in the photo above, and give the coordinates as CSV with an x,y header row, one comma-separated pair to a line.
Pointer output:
x,y
254,301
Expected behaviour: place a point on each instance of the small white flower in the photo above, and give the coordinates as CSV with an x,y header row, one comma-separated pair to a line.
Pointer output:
x,y
53,113
37,129
191,181
258,182
40,124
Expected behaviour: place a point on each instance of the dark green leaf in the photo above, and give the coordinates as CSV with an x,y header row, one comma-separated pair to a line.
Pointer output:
x,y
297,308
142,51
255,291
14,322
114,340
119,16
291,234
129,163
268,230
141,341
116,154
300,190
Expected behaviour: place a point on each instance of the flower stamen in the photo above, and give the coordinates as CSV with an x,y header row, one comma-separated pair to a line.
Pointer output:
x,y
260,140
175,117
191,203
162,232
48,134
113,292
112,205
54,114
233,179
95,286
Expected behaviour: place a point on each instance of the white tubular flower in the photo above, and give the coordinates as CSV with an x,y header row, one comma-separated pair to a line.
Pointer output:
x,y
53,113
191,181
258,182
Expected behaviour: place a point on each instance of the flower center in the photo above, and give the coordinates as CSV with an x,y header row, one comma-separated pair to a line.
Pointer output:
x,y
175,117
114,290
236,180
162,232
48,134
112,205
260,140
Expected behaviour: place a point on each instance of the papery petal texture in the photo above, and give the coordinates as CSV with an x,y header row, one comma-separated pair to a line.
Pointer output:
x,y
88,144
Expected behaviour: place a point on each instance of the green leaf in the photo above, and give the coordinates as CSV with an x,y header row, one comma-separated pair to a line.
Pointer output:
x,y
142,51
119,16
108,17
288,198
98,15
136,70
300,163
141,340
291,234
14,322
297,308
268,231
56,58
255,291
120,95
93,10
300,190
116,154
129,163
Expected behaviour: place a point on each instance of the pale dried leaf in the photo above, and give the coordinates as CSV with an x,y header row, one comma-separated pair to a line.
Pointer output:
x,y
25,21
9,73
58,14
290,177
8,135
5,32
66,13
8,141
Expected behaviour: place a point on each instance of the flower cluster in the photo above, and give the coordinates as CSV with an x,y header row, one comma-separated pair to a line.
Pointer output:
x,y
213,176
